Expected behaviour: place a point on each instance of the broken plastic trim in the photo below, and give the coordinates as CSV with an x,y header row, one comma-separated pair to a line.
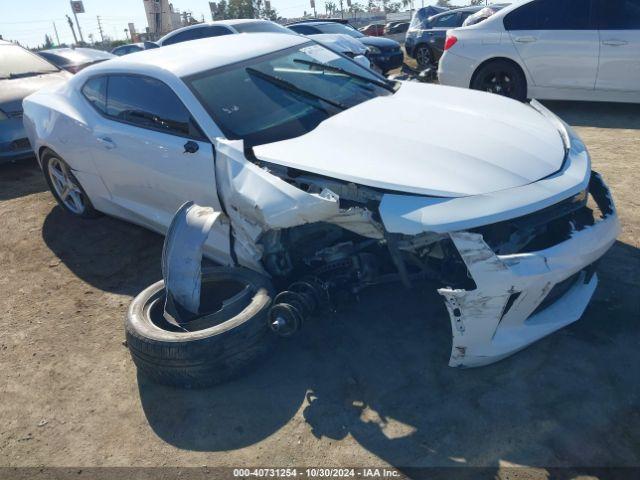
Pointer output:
x,y
491,322
182,260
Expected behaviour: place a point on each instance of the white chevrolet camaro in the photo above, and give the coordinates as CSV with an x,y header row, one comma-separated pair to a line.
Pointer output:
x,y
319,166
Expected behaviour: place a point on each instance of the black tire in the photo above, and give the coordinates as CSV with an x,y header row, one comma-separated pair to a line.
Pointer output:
x,y
200,358
88,210
502,78
424,56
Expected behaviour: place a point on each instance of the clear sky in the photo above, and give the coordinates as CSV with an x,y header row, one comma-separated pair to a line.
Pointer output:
x,y
27,21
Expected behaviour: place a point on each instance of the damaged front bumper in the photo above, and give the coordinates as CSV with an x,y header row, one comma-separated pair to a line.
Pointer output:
x,y
523,297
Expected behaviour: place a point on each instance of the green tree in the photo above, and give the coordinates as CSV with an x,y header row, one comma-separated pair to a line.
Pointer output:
x,y
270,14
221,10
330,8
444,3
240,9
474,3
47,41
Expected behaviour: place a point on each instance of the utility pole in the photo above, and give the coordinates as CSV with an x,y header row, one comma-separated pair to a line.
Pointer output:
x,y
75,39
77,23
56,30
100,29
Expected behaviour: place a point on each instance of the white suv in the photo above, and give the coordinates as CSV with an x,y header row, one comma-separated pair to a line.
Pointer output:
x,y
550,49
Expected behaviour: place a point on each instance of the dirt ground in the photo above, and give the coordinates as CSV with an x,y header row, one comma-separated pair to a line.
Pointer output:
x,y
369,386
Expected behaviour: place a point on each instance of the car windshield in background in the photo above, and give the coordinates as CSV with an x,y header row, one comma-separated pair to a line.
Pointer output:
x,y
339,28
16,62
284,94
260,27
66,57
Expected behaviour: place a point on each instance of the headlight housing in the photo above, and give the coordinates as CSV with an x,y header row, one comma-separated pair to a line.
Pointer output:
x,y
3,116
374,50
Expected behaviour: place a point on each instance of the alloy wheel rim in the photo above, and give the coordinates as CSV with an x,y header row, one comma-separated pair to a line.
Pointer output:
x,y
67,189
499,83
424,56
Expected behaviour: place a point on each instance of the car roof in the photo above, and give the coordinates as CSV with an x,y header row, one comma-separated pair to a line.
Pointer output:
x,y
194,56
226,23
236,21
312,23
77,52
463,9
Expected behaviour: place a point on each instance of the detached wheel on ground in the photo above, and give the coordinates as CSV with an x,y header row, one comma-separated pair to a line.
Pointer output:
x,y
502,78
213,347
424,57
65,187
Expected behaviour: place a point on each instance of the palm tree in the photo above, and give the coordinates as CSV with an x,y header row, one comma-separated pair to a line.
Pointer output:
x,y
330,8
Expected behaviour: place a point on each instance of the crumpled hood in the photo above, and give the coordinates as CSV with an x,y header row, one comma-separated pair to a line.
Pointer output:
x,y
13,91
428,140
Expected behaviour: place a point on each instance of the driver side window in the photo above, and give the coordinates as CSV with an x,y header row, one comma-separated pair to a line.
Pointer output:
x,y
143,102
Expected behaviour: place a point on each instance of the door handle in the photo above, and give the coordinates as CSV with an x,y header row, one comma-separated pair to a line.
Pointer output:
x,y
615,43
106,142
191,147
527,39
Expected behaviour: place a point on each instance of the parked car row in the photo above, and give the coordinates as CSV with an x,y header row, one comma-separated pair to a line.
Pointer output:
x,y
21,74
544,49
383,54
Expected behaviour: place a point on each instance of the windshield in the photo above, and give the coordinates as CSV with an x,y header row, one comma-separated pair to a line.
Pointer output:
x,y
260,27
284,94
64,57
339,28
17,62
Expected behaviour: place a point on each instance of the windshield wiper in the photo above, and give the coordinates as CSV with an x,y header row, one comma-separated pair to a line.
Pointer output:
x,y
325,66
29,74
285,85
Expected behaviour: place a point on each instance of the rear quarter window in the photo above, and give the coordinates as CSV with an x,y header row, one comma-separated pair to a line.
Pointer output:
x,y
95,91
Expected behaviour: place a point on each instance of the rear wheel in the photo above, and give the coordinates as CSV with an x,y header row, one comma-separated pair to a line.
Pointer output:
x,y
215,346
65,187
502,78
424,57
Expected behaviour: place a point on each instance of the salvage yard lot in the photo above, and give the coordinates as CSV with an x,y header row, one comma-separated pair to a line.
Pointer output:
x,y
369,386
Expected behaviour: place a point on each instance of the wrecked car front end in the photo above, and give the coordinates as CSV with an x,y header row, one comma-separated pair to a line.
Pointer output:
x,y
514,265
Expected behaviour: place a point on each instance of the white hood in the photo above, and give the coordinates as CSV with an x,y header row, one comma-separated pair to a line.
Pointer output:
x,y
428,140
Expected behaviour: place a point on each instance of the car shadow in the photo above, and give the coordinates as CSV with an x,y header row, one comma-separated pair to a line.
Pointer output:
x,y
107,253
597,114
377,372
20,179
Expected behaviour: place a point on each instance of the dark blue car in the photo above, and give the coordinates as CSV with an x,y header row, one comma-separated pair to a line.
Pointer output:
x,y
426,35
384,53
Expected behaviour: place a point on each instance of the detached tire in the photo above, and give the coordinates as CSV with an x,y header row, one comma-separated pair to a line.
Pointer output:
x,y
203,357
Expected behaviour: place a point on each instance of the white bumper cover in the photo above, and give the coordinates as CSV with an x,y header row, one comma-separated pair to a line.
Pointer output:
x,y
503,314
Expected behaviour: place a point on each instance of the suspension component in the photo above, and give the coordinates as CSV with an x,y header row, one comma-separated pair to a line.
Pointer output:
x,y
293,306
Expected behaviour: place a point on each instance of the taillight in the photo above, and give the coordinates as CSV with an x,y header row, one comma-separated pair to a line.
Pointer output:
x,y
450,42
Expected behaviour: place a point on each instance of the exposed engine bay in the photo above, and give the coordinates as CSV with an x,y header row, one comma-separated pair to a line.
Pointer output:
x,y
322,241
